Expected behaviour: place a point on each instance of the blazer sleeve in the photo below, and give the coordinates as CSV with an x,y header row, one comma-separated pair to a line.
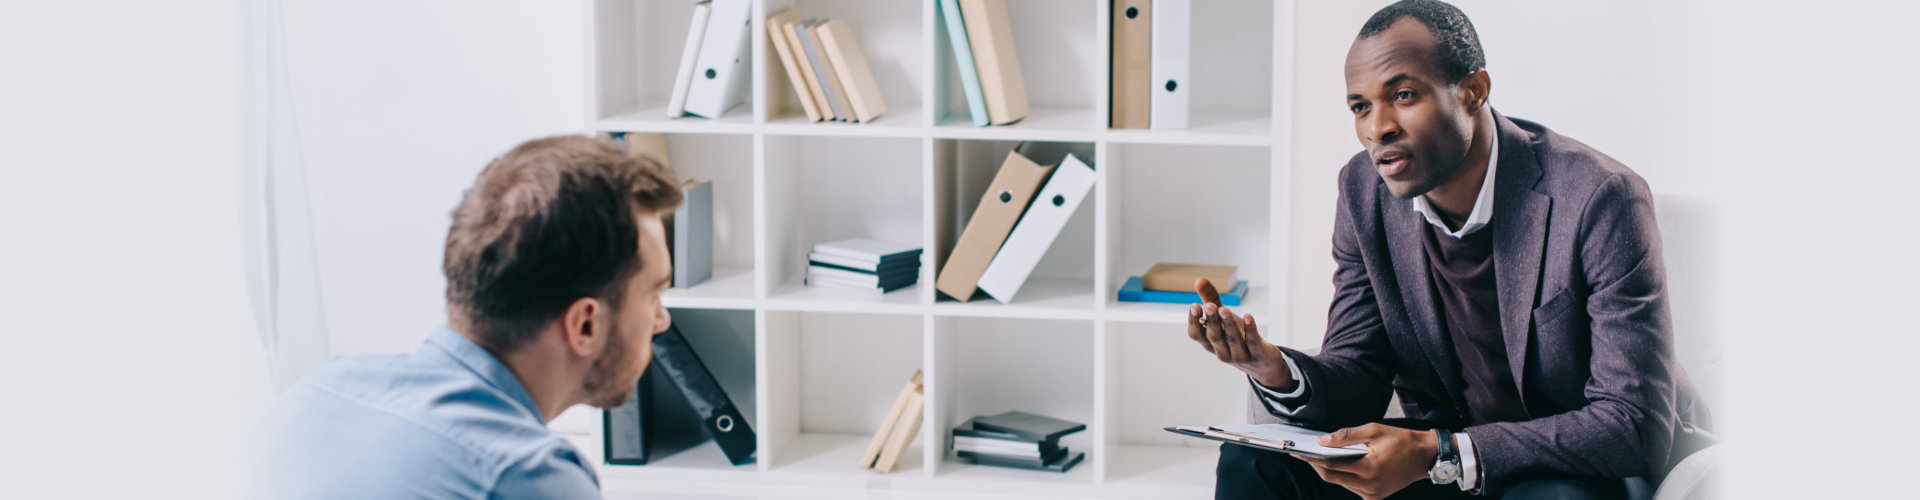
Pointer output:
x,y
1626,426
1351,377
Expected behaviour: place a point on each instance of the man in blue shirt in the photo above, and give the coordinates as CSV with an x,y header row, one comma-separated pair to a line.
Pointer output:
x,y
554,265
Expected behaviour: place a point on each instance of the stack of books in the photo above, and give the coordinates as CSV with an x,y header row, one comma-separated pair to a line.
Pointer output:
x,y
1173,284
828,70
1019,440
863,264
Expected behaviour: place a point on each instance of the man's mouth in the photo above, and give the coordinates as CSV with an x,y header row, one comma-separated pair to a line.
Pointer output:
x,y
1391,163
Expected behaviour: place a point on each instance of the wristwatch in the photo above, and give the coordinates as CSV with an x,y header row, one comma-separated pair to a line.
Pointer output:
x,y
1446,468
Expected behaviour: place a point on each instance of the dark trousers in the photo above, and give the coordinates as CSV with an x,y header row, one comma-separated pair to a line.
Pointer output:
x,y
1250,473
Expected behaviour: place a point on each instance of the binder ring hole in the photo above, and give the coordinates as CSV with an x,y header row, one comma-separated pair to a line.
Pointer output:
x,y
711,74
1170,83
1059,200
724,423
1006,197
1133,12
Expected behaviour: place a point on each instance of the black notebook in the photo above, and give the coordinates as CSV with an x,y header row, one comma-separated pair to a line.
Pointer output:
x,y
1028,426
719,417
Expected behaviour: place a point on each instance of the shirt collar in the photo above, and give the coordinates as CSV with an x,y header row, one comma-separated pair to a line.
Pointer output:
x,y
484,364
1482,203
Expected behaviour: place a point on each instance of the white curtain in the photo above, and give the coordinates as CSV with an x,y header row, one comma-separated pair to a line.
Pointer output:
x,y
282,273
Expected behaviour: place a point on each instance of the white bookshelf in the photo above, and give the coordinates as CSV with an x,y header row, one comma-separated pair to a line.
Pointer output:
x,y
816,370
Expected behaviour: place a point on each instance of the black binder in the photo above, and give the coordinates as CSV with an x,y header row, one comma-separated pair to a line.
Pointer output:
x,y
627,431
718,416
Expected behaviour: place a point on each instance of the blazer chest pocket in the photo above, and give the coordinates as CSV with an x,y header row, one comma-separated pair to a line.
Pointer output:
x,y
1552,311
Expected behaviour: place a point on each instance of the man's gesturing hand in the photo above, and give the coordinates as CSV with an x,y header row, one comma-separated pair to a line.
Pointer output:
x,y
1235,339
1395,458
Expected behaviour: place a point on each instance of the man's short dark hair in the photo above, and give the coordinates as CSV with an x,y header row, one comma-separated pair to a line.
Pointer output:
x,y
1459,46
552,221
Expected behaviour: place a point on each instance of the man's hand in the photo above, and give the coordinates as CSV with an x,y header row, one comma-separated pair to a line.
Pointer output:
x,y
1235,339
1395,458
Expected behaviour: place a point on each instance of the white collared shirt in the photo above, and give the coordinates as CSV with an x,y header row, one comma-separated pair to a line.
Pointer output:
x,y
1476,220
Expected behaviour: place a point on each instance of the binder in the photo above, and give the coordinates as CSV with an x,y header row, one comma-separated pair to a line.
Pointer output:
x,y
850,65
995,59
776,33
689,57
963,57
1000,207
903,431
807,69
719,417
1134,291
720,78
1132,76
1172,42
692,235
912,387
627,430
1037,229
823,70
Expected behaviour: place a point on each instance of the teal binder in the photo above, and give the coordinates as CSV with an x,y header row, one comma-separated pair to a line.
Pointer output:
x,y
963,57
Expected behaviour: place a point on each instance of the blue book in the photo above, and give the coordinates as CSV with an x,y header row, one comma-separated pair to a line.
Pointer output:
x,y
1136,291
963,56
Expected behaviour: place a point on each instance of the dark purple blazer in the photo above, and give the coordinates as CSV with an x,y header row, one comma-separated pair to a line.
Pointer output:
x,y
1583,308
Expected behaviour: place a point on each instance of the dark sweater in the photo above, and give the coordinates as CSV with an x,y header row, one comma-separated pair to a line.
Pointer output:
x,y
1463,281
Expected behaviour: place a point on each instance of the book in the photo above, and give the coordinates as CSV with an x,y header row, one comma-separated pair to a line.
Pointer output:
x,y
689,58
963,59
830,83
1023,461
1171,40
1134,291
721,77
995,59
1055,205
776,33
1132,75
898,264
808,70
1179,277
720,419
867,249
850,64
866,279
1066,462
1005,200
1028,426
690,235
907,391
903,432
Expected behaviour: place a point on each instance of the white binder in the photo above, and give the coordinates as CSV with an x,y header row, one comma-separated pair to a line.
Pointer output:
x,y
721,77
1172,45
1070,184
689,56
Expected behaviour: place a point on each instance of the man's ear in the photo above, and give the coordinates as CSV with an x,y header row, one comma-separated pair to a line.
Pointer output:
x,y
582,331
1474,90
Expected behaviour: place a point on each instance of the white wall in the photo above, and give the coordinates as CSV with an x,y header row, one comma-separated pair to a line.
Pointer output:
x,y
400,104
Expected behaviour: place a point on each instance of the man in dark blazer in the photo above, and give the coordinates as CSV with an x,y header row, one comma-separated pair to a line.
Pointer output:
x,y
1505,281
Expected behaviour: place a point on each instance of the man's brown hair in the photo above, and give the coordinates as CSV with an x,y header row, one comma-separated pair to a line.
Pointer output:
x,y
554,220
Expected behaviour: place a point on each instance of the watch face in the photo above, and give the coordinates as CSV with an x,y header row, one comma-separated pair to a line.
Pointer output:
x,y
1444,473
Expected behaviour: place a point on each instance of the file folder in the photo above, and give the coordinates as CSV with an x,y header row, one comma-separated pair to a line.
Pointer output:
x,y
963,58
1000,207
1172,42
1132,78
777,35
719,417
720,78
689,57
1037,229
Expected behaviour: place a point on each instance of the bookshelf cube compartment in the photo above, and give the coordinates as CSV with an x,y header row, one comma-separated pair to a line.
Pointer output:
x,y
988,366
833,378
634,58
1062,281
724,340
1060,60
1188,204
726,161
1156,377
823,189
892,37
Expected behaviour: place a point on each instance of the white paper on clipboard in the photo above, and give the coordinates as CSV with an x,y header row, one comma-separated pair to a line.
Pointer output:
x,y
1280,436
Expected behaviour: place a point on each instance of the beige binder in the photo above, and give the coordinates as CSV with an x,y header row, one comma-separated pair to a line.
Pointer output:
x,y
1132,78
776,33
1000,208
793,31
995,59
850,64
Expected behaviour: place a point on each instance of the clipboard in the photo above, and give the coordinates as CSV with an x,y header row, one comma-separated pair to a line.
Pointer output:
x,y
1303,445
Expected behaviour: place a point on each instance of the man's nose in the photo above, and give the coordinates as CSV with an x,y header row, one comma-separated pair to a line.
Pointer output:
x,y
1383,127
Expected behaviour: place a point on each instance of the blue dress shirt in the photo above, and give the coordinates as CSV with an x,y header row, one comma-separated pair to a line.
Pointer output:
x,y
446,421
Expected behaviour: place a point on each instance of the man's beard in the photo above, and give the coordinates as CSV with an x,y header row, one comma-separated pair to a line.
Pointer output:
x,y
603,389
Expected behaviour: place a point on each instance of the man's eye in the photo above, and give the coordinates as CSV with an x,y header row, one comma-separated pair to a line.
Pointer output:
x,y
1404,95
1357,108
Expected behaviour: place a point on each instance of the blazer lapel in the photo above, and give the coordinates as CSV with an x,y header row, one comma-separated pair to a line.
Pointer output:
x,y
1519,228
1404,237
